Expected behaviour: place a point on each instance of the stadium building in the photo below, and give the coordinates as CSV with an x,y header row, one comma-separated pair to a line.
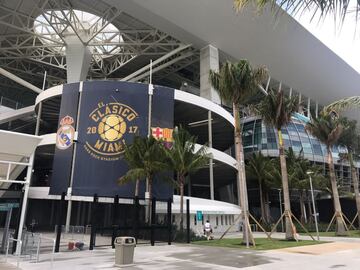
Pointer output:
x,y
67,63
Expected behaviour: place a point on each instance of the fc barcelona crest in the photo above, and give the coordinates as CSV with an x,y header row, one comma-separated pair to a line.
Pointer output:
x,y
65,134
164,134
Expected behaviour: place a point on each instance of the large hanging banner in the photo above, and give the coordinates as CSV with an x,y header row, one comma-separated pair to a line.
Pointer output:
x,y
111,114
59,180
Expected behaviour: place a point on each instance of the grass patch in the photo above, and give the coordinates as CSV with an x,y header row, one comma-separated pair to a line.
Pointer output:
x,y
352,233
261,243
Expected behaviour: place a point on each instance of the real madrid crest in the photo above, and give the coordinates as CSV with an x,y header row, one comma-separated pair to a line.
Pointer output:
x,y
65,134
111,123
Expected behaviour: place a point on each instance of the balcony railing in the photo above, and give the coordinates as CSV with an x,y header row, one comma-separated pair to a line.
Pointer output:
x,y
6,102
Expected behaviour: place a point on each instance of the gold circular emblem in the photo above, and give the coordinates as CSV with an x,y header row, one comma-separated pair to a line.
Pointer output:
x,y
110,126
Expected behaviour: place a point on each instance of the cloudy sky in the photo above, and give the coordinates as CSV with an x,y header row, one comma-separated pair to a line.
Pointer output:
x,y
344,41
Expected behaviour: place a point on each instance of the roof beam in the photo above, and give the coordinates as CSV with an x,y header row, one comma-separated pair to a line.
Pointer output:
x,y
20,81
157,61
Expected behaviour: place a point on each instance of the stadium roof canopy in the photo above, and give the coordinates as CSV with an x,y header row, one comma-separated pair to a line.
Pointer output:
x,y
153,28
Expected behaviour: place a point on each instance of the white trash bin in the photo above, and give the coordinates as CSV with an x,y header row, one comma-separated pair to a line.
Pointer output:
x,y
124,250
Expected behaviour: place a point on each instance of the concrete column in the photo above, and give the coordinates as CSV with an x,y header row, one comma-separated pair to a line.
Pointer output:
x,y
209,60
211,168
309,108
317,109
78,59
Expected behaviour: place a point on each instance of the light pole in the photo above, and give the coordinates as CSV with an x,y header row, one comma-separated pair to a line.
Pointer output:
x,y
281,212
309,173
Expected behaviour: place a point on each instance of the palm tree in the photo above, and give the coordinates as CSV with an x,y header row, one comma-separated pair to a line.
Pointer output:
x,y
258,168
145,157
328,128
338,9
350,139
276,110
299,167
236,83
184,159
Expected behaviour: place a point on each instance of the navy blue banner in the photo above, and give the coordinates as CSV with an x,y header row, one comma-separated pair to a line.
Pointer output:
x,y
60,178
162,122
111,113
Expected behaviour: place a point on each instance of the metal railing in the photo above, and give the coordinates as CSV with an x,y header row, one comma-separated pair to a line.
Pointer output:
x,y
19,242
6,102
41,240
32,246
74,232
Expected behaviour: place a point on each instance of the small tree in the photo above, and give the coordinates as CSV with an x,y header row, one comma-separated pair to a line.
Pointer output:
x,y
298,171
350,139
236,83
184,159
276,110
328,128
258,168
145,157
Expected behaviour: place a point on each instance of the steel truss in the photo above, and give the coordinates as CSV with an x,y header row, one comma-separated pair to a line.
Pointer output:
x,y
22,49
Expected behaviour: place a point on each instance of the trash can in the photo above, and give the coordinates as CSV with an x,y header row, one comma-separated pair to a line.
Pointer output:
x,y
124,250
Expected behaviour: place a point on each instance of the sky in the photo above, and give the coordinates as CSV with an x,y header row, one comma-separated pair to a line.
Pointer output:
x,y
344,41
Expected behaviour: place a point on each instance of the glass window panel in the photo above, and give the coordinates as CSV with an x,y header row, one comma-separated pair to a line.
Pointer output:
x,y
300,128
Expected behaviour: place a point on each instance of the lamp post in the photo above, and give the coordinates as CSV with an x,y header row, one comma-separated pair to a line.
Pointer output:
x,y
309,173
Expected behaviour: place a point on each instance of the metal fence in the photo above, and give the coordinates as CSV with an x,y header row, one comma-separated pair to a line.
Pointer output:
x,y
143,220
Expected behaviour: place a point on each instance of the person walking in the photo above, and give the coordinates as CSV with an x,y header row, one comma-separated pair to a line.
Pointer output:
x,y
208,230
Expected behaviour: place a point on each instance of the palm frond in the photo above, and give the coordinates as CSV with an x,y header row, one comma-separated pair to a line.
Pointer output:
x,y
326,128
132,175
145,158
276,109
182,157
338,9
237,82
343,104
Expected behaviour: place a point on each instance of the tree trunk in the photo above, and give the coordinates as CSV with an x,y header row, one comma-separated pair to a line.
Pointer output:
x,y
242,189
340,228
290,230
355,178
137,184
262,203
267,208
181,203
302,208
310,210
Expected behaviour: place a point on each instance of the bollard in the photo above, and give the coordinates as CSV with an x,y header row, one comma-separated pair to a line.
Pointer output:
x,y
169,221
59,222
93,222
188,221
152,224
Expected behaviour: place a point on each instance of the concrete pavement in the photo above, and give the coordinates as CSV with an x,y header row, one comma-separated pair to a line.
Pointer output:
x,y
339,254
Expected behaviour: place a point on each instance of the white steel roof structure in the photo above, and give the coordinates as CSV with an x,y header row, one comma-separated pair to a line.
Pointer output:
x,y
124,35
292,54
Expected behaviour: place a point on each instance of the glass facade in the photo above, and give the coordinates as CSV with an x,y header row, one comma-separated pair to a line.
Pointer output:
x,y
258,137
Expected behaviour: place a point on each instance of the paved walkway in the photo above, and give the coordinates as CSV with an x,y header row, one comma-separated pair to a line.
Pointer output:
x,y
336,255
6,266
